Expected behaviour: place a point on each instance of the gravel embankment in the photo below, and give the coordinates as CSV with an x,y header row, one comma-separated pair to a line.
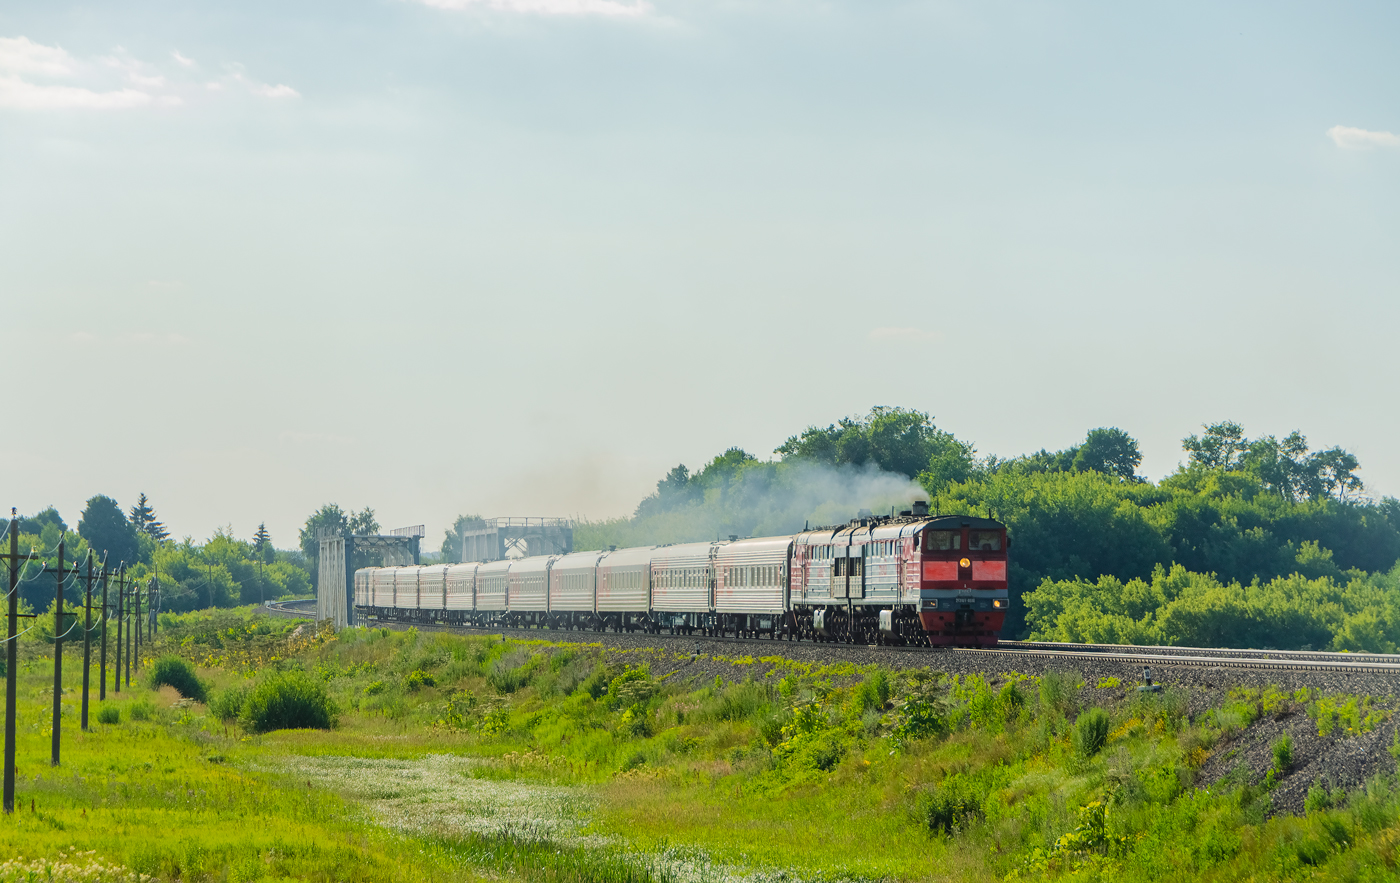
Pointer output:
x,y
1336,760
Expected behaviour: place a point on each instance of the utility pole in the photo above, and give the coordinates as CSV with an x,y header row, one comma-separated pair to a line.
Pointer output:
x,y
102,669
57,657
11,664
210,583
155,584
87,638
136,633
121,598
126,651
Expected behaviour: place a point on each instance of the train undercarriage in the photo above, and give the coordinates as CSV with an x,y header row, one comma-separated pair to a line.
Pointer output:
x,y
897,625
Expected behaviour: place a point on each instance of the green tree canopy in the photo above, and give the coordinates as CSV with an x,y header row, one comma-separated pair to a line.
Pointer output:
x,y
262,544
143,518
896,440
452,537
1109,450
108,532
35,523
1287,467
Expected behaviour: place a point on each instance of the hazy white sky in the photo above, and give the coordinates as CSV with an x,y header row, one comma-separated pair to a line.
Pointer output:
x,y
522,256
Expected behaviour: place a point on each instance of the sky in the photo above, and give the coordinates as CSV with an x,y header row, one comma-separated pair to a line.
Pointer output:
x,y
520,257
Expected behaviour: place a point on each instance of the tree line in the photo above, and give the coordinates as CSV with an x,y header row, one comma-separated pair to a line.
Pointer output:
x,y
1270,523
223,571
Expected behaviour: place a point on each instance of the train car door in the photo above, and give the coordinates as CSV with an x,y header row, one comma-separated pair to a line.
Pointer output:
x,y
856,580
840,572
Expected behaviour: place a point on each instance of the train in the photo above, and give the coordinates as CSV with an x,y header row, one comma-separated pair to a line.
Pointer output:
x,y
910,578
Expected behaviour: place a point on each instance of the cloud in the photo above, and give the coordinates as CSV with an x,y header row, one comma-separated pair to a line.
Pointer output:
x,y
20,55
904,335
110,82
278,91
265,90
1349,138
82,337
610,8
19,94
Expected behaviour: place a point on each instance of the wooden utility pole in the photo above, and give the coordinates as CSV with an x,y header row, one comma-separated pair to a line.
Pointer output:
x,y
126,650
102,669
87,638
121,598
11,664
136,635
57,657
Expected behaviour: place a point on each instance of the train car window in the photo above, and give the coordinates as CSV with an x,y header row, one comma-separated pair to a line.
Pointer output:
x,y
984,540
943,540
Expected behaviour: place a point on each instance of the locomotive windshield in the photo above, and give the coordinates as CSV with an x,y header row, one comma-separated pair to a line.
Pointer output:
x,y
985,540
943,540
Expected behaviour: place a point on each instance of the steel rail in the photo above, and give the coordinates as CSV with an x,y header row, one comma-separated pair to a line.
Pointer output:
x,y
1139,649
1200,657
1219,661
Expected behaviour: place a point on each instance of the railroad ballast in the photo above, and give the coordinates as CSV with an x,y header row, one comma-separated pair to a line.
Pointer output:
x,y
911,578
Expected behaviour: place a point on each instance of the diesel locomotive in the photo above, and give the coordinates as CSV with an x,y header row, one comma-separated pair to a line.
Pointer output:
x,y
911,579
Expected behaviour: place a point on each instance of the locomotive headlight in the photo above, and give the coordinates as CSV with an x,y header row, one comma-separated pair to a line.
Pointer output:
x,y
964,563
997,602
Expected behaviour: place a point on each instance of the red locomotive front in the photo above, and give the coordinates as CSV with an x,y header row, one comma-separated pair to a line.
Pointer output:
x,y
963,596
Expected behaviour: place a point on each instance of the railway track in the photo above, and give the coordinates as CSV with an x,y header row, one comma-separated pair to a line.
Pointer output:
x,y
1194,657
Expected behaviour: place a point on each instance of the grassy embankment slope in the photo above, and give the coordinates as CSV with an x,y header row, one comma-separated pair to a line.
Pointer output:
x,y
827,772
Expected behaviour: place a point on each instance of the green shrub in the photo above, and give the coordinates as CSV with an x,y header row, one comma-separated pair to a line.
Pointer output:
x,y
1283,753
919,717
511,672
287,701
228,703
739,702
419,678
175,672
142,710
596,684
1056,692
949,807
108,714
374,688
1318,799
873,692
1091,732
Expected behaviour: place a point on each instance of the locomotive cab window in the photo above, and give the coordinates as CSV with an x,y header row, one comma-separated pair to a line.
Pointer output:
x,y
943,540
985,540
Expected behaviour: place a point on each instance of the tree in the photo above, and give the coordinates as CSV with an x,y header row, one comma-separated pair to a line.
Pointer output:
x,y
143,518
1109,450
452,536
1335,471
329,520
262,544
35,523
673,490
1282,465
363,523
898,440
108,532
1220,448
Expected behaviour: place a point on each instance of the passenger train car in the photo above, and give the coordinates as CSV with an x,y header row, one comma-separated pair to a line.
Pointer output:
x,y
911,578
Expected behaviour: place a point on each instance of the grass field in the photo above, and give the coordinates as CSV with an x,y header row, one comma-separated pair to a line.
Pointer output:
x,y
454,758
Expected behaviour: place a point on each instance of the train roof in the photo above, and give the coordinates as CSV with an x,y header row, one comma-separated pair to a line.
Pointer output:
x,y
882,526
